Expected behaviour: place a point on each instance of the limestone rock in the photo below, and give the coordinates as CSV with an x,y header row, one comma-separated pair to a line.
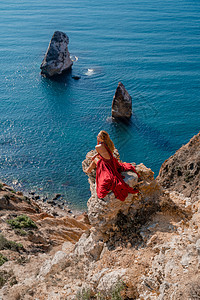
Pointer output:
x,y
110,280
122,103
59,262
57,58
112,219
181,172
103,213
90,246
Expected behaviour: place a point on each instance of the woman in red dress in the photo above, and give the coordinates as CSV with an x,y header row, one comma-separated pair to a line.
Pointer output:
x,y
108,170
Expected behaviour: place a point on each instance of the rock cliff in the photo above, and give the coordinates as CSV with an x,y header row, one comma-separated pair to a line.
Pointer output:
x,y
147,247
181,172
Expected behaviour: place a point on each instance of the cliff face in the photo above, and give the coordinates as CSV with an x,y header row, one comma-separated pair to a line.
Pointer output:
x,y
181,172
147,247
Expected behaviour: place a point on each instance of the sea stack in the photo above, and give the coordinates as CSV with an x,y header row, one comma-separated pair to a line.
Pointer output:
x,y
122,103
57,58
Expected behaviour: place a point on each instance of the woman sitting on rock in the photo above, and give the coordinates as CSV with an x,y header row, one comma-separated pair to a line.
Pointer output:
x,y
108,170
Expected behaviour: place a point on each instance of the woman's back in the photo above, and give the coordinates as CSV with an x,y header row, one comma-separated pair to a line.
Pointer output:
x,y
102,150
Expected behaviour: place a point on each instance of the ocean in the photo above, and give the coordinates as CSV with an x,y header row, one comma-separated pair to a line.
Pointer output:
x,y
47,127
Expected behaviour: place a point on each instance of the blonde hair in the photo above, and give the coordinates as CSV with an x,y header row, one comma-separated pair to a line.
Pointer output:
x,y
107,140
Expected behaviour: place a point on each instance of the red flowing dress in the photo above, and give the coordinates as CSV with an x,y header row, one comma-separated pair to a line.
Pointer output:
x,y
109,178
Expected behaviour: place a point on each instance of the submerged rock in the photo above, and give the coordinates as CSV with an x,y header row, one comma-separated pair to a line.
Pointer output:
x,y
76,77
57,58
122,103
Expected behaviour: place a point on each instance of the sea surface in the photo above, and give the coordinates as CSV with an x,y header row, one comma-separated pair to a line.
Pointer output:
x,y
47,127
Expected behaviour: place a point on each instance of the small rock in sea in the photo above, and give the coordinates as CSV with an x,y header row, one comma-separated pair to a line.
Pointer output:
x,y
122,103
44,199
57,196
36,197
57,58
76,77
51,202
32,192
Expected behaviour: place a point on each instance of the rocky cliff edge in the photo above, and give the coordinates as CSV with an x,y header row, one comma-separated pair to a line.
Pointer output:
x,y
147,247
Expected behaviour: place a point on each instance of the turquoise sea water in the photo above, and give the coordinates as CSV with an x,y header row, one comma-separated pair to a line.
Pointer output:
x,y
47,127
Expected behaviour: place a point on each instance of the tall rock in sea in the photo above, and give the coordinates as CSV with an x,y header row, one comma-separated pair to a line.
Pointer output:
x,y
57,58
122,103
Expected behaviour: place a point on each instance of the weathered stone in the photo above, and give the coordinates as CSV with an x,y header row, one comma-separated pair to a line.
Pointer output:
x,y
57,58
57,196
103,213
106,215
110,281
181,171
90,246
4,202
58,263
122,103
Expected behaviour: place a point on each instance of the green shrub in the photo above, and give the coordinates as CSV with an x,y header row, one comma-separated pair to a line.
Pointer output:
x,y
13,281
22,260
3,259
5,244
195,291
116,291
22,221
20,232
7,276
85,294
2,281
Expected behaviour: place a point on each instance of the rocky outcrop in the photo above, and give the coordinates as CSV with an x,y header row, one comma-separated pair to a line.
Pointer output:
x,y
57,58
103,213
181,172
16,201
147,247
122,103
110,216
51,231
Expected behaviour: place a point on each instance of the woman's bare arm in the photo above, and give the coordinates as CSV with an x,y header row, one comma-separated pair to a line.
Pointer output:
x,y
91,167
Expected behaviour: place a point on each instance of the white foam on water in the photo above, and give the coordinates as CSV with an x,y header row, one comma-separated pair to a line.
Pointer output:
x,y
89,72
74,58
